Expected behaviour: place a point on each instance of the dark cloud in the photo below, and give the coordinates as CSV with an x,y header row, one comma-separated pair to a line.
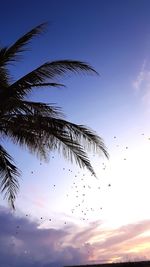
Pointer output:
x,y
23,243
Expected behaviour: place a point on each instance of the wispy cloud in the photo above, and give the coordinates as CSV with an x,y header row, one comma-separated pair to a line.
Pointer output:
x,y
142,83
125,242
142,76
23,243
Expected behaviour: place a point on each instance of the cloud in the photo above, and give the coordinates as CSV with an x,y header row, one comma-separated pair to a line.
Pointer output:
x,y
142,83
23,243
126,242
142,76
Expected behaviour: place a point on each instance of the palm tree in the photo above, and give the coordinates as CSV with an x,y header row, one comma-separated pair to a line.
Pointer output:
x,y
38,126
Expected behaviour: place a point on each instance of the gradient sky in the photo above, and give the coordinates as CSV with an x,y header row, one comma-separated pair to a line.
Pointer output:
x,y
63,215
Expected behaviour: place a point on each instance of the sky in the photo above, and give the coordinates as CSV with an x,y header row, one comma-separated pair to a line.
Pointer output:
x,y
63,215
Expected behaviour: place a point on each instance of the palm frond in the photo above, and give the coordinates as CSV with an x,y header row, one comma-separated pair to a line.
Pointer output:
x,y
12,98
70,148
90,138
79,133
38,126
8,177
9,54
48,70
16,106
43,137
4,80
36,130
42,109
26,131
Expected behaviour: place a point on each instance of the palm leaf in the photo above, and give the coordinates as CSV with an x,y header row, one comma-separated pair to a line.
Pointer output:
x,y
9,54
40,127
48,70
36,130
11,98
8,176
44,109
90,138
4,79
70,149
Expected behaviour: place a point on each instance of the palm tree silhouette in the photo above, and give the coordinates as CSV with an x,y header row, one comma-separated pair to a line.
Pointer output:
x,y
38,126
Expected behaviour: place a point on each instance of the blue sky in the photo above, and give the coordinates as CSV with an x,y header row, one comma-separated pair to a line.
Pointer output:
x,y
114,37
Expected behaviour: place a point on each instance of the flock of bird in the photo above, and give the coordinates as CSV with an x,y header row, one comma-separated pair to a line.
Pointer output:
x,y
79,192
